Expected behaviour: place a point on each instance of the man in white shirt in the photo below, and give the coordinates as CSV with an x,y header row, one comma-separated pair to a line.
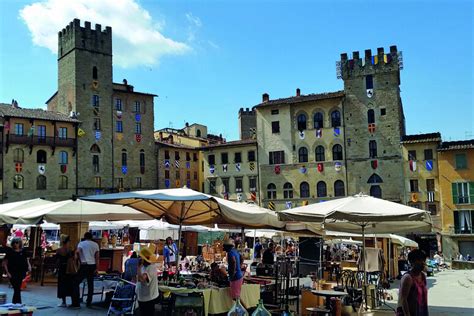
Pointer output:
x,y
147,285
88,253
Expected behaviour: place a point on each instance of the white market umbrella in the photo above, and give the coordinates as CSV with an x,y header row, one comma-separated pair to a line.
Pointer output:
x,y
9,208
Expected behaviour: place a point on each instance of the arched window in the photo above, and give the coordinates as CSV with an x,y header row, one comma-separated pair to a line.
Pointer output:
x,y
287,191
94,73
198,133
62,183
303,154
318,120
321,189
370,116
320,153
63,158
41,156
18,182
95,149
335,118
372,149
271,191
124,157
95,163
40,182
142,161
301,122
337,152
375,178
339,188
18,155
304,190
376,191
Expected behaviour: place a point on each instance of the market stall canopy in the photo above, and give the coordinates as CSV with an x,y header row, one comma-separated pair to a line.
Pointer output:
x,y
17,206
351,213
345,241
188,207
72,211
396,239
155,224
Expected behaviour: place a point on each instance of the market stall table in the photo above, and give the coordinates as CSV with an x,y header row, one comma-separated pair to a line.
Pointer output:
x,y
328,294
206,294
24,310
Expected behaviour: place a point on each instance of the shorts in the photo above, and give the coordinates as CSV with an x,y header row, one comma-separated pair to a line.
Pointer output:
x,y
235,287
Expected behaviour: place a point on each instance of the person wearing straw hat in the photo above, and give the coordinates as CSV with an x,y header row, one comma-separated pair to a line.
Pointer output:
x,y
236,277
147,282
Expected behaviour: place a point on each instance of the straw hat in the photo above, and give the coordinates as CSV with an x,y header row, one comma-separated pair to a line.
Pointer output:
x,y
148,255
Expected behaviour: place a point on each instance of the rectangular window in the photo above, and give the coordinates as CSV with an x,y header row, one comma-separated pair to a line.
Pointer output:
x,y
253,184
383,111
96,124
412,155
188,156
428,154
167,174
188,175
463,222
119,127
177,175
275,112
62,132
95,100
19,129
225,185
276,127
369,82
276,157
137,108
118,104
251,155
414,185
138,128
138,182
195,175
211,159
176,155
95,163
237,157
62,183
195,157
432,209
41,132
238,184
212,186
167,154
461,192
430,185
98,182
224,158
461,161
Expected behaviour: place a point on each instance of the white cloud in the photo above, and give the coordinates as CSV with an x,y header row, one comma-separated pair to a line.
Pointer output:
x,y
137,38
193,19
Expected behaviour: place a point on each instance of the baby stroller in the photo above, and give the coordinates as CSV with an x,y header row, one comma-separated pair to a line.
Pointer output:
x,y
123,300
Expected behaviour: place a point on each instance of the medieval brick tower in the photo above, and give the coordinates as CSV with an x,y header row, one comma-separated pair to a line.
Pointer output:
x,y
85,90
374,123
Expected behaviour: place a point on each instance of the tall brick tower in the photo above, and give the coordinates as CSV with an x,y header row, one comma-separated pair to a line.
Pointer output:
x,y
374,123
85,90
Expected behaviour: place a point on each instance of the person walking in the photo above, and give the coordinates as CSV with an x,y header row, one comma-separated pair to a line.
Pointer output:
x,y
65,277
269,254
170,252
131,266
16,266
236,277
88,253
257,250
147,282
413,292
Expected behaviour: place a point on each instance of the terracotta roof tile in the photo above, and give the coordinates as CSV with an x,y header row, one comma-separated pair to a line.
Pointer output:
x,y
457,145
303,98
7,110
422,138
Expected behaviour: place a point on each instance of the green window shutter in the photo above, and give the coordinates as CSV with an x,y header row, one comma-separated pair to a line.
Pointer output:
x,y
471,192
455,193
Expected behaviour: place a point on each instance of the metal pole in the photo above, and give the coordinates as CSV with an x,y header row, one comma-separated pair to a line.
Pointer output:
x,y
179,237
390,258
321,244
365,272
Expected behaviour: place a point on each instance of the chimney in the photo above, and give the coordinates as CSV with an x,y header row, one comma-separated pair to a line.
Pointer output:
x,y
125,82
170,139
298,92
265,97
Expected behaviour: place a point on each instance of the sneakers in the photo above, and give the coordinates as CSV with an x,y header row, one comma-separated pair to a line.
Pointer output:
x,y
62,305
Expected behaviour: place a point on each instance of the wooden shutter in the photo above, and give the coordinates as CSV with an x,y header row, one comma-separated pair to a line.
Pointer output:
x,y
471,192
455,193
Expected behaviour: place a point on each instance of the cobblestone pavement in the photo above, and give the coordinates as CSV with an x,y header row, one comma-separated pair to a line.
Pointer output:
x,y
451,293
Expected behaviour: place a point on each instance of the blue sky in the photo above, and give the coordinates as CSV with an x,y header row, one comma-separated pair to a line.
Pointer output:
x,y
206,59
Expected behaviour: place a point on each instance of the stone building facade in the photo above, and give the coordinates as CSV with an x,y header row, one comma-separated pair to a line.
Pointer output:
x,y
247,123
38,154
115,148
420,170
231,171
456,181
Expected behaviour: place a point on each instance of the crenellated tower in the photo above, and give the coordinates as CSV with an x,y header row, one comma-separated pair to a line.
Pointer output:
x,y
85,90
247,123
374,122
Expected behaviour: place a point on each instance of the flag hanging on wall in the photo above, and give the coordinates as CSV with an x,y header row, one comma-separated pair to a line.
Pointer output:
x,y
412,165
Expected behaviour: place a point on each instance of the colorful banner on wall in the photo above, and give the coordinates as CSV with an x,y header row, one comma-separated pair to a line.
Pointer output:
x,y
320,167
338,166
412,164
237,167
212,169
277,169
429,165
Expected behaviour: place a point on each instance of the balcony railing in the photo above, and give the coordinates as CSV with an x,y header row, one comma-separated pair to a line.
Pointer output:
x,y
40,140
464,230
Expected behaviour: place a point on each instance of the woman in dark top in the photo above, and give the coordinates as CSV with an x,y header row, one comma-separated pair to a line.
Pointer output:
x,y
65,281
16,265
268,254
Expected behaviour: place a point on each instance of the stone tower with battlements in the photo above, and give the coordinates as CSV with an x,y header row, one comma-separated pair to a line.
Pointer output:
x,y
374,122
85,91
247,123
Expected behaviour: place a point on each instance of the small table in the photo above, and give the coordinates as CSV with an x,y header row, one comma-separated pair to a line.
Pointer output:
x,y
327,294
